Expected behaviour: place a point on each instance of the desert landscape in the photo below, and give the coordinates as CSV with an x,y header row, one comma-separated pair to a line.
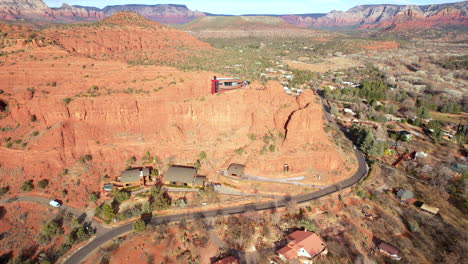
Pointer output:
x,y
160,134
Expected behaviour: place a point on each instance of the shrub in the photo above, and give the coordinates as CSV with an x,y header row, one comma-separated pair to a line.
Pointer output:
x,y
35,133
3,191
361,193
53,84
139,226
121,196
43,183
93,197
27,186
202,155
239,151
413,226
252,136
64,172
67,100
33,118
88,157
50,230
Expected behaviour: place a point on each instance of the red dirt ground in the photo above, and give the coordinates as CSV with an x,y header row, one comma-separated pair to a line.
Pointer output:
x,y
381,45
21,225
146,249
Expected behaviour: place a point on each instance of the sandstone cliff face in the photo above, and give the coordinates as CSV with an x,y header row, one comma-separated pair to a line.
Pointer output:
x,y
38,10
67,12
117,111
389,16
167,14
125,36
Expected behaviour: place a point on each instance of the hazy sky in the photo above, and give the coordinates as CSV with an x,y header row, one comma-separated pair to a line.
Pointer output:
x,y
252,6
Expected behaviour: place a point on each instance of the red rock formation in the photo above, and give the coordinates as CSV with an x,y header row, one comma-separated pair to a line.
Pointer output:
x,y
67,12
38,10
162,13
125,36
117,111
389,16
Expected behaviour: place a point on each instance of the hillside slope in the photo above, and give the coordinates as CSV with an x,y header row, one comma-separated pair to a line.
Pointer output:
x,y
245,26
125,36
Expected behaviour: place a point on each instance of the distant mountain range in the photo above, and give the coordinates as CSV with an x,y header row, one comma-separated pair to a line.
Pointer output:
x,y
364,16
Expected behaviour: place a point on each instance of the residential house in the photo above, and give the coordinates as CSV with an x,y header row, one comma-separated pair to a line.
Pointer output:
x,y
389,250
302,246
133,177
426,207
183,176
404,194
349,111
231,83
458,168
228,260
236,170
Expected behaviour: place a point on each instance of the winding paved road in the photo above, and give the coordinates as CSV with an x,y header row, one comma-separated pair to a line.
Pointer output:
x,y
79,255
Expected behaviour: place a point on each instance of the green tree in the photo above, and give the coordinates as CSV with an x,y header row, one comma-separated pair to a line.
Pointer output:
x,y
108,212
139,226
423,113
121,196
51,229
307,224
147,207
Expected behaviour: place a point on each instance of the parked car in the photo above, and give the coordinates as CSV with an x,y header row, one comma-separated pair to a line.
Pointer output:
x,y
55,203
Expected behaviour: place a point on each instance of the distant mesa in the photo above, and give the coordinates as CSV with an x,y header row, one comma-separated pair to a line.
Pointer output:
x,y
359,17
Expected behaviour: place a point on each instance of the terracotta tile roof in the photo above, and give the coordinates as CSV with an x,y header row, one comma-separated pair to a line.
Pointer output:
x,y
388,248
309,241
228,260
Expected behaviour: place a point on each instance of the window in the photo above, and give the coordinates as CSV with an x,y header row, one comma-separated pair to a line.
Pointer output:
x,y
185,184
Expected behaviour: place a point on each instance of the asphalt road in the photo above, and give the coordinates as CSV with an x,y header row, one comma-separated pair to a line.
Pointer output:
x,y
79,255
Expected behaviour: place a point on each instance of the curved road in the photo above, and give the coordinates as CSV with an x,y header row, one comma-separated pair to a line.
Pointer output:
x,y
87,249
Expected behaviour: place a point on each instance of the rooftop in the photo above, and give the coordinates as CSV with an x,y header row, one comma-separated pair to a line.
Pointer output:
x,y
309,241
237,169
180,174
133,175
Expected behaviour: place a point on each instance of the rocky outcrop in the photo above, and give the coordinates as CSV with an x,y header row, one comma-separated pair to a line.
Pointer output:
x,y
388,16
125,36
164,13
77,13
38,10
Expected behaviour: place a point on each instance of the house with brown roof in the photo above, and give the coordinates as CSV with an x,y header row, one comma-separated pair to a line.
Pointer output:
x,y
183,176
133,177
302,246
389,250
236,170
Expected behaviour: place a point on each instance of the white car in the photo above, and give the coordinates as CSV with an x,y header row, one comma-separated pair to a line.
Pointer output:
x,y
55,203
